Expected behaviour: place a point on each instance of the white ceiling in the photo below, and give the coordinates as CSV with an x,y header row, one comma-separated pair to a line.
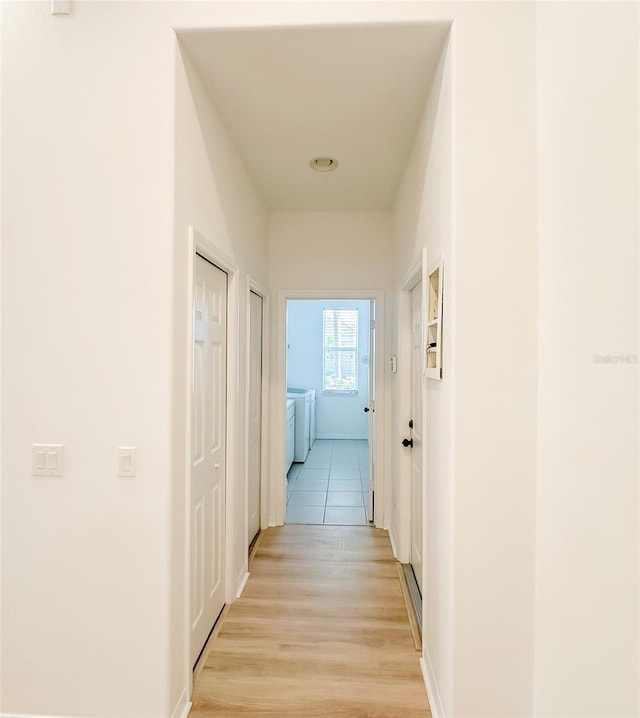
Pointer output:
x,y
356,93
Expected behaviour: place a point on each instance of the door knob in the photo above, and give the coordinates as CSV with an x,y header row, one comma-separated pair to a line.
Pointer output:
x,y
407,442
366,409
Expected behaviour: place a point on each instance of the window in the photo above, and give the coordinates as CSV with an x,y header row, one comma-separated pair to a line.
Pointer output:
x,y
340,351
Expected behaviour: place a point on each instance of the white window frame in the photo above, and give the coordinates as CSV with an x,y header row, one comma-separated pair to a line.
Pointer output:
x,y
328,390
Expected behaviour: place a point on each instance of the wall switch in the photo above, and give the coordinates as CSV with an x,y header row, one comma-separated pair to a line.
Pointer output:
x,y
47,459
126,461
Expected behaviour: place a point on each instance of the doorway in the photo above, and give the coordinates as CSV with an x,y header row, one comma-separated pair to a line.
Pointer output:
x,y
329,380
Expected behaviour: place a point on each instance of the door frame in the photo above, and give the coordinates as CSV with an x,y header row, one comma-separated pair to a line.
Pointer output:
x,y
253,286
417,272
381,487
199,244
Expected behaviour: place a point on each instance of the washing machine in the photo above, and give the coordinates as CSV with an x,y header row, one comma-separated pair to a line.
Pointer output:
x,y
302,399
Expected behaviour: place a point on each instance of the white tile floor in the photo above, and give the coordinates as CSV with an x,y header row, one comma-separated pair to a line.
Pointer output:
x,y
330,487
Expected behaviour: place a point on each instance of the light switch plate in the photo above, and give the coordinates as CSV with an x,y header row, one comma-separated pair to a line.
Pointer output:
x,y
47,459
126,461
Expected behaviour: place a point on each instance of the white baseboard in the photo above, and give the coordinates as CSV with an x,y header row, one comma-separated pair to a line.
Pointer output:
x,y
242,583
181,711
183,707
432,689
392,538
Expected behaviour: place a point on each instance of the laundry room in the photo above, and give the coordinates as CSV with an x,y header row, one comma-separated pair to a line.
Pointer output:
x,y
328,356
328,394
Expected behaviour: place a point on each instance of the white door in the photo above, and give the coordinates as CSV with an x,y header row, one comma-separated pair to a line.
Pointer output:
x,y
255,415
208,461
372,407
415,429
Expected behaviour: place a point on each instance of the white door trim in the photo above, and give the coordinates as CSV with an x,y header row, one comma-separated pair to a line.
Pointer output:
x,y
402,533
253,286
417,272
199,244
277,494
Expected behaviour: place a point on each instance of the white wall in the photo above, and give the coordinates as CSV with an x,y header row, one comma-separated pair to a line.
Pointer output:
x,y
585,632
337,417
303,247
495,405
423,217
587,600
86,266
214,193
476,158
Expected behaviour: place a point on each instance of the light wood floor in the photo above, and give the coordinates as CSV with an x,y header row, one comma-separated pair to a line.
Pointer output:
x,y
321,630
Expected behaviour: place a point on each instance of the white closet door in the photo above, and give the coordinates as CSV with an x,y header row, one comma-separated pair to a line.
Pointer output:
x,y
208,460
255,415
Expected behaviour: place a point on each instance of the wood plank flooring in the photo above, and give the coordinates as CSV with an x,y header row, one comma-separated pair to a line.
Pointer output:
x,y
320,631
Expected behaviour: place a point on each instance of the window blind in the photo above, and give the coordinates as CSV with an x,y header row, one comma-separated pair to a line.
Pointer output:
x,y
340,350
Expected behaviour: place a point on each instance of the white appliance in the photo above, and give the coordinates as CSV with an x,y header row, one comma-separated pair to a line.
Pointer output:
x,y
291,432
302,399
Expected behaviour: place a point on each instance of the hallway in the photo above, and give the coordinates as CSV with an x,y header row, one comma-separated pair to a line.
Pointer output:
x,y
320,630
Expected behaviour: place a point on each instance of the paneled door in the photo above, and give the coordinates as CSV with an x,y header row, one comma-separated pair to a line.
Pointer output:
x,y
255,415
416,433
208,460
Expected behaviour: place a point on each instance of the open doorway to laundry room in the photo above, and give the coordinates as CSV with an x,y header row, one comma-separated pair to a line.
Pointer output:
x,y
330,407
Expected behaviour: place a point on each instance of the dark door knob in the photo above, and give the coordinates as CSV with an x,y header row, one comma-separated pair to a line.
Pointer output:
x,y
407,442
366,409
